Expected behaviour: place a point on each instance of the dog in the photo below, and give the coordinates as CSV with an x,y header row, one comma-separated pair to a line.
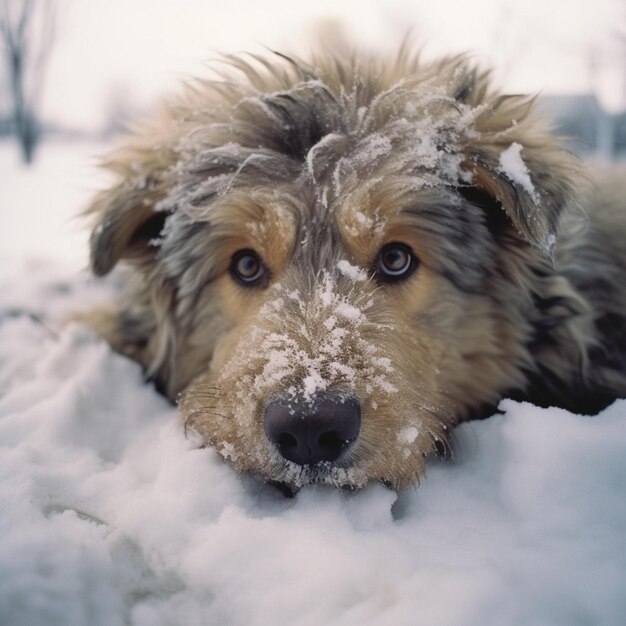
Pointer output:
x,y
331,263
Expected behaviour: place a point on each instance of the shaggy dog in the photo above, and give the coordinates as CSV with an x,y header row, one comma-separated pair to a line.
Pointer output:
x,y
331,263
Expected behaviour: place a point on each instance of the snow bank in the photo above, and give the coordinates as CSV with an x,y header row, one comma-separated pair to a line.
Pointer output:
x,y
109,516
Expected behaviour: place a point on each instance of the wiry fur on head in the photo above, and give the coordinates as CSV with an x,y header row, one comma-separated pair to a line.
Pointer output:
x,y
316,166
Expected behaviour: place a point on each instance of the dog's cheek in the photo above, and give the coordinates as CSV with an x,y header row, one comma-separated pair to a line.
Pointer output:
x,y
405,426
481,349
221,313
426,311
210,405
393,442
207,411
444,341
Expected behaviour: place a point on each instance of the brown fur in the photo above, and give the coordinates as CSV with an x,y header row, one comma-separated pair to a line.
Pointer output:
x,y
316,164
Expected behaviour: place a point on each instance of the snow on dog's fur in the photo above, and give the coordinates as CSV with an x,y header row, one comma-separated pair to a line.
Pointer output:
x,y
393,240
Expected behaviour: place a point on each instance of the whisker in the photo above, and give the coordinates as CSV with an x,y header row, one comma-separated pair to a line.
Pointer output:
x,y
199,394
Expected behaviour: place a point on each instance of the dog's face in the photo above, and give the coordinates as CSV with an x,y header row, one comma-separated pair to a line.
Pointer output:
x,y
330,272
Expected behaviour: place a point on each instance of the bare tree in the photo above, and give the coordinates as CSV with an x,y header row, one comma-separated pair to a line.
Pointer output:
x,y
27,31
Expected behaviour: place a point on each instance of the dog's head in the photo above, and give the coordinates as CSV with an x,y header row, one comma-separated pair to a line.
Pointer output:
x,y
334,262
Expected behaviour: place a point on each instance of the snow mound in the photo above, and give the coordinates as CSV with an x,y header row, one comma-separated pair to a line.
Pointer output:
x,y
109,516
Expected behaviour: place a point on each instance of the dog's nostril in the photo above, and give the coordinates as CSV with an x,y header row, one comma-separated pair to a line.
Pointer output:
x,y
287,440
331,440
311,432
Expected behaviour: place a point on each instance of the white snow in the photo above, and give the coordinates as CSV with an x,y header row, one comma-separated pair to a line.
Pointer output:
x,y
513,166
349,312
408,435
109,516
314,361
354,272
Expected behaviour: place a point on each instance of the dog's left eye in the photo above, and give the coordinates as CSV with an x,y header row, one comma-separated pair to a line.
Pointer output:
x,y
395,262
247,268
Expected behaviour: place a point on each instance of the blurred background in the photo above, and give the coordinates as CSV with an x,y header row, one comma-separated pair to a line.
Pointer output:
x,y
73,73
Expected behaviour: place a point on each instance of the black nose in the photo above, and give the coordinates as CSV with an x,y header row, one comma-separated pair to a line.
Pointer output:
x,y
318,430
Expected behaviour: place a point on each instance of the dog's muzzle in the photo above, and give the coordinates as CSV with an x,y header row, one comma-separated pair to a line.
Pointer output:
x,y
309,432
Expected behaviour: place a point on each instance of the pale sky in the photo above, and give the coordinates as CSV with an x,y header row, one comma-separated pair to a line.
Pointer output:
x,y
141,48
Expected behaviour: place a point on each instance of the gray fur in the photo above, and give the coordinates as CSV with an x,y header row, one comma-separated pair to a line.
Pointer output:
x,y
530,302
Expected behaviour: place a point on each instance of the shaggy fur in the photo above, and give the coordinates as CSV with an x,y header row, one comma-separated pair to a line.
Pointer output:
x,y
316,166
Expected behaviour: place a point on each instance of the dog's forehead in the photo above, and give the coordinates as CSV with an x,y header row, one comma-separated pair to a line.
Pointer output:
x,y
315,228
344,198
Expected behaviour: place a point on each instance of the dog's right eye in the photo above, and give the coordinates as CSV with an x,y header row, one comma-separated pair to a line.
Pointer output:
x,y
247,268
395,262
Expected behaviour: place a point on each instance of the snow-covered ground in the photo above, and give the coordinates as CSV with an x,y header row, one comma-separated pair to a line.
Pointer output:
x,y
108,516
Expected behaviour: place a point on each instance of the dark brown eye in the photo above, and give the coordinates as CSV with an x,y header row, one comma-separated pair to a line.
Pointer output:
x,y
247,268
395,262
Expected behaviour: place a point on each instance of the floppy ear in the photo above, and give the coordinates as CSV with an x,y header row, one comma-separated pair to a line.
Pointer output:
x,y
523,169
127,218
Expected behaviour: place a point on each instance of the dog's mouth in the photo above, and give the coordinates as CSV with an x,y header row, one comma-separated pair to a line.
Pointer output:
x,y
291,491
291,477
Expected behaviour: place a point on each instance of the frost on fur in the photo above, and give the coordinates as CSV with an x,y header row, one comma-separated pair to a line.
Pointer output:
x,y
313,168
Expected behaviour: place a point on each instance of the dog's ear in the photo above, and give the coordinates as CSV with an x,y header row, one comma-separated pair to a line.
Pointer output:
x,y
127,216
520,169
